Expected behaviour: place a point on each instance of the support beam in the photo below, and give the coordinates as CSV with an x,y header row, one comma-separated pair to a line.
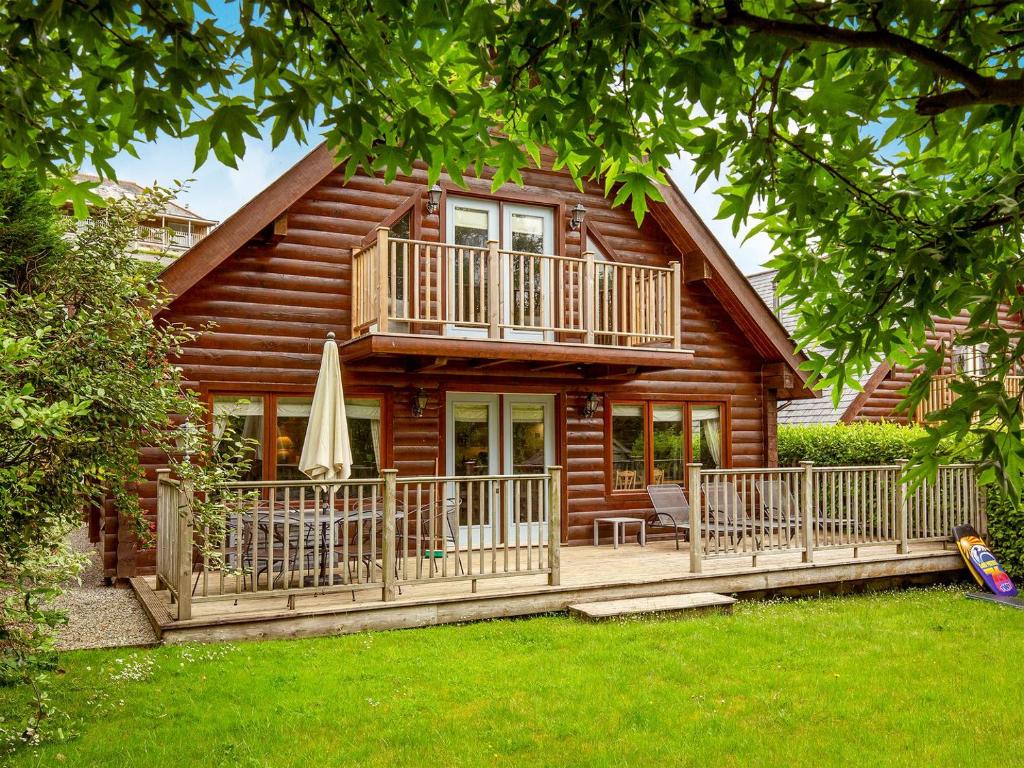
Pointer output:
x,y
696,267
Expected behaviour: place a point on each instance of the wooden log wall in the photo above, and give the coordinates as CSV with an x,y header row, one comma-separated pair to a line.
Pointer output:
x,y
882,402
270,305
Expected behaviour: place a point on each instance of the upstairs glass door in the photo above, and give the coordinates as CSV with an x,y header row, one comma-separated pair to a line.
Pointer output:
x,y
527,296
471,224
525,234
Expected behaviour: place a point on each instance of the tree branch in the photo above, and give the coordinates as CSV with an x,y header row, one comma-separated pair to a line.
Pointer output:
x,y
977,88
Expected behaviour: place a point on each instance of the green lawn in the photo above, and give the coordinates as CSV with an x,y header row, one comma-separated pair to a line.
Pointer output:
x,y
918,678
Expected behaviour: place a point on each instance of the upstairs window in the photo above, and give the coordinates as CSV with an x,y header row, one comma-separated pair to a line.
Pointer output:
x,y
971,360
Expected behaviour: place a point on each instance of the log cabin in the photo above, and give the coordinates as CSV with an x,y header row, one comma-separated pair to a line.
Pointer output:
x,y
480,333
881,389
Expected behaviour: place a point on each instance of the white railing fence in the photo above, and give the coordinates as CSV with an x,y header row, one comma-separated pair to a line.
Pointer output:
x,y
290,538
758,511
402,284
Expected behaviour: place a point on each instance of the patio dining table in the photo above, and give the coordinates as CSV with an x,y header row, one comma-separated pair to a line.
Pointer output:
x,y
297,515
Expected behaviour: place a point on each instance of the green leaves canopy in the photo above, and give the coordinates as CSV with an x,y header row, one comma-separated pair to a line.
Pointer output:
x,y
876,142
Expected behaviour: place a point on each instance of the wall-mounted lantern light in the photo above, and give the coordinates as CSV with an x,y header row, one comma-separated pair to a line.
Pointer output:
x,y
419,402
433,199
576,216
590,405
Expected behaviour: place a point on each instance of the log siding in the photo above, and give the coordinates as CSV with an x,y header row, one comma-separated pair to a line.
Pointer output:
x,y
269,305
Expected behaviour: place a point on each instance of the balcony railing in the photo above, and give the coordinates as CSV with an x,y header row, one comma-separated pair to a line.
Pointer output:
x,y
941,394
169,238
493,293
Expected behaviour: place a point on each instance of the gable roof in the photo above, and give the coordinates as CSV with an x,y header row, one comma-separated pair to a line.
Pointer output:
x,y
110,189
677,218
687,230
821,410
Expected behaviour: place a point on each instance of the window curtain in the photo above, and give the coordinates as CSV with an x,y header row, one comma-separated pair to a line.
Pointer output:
x,y
225,409
711,433
370,411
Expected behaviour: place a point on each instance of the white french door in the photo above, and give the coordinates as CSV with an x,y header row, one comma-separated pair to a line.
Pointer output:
x,y
526,299
521,232
489,434
471,223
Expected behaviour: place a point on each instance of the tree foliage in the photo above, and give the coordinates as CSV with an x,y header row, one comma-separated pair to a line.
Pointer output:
x,y
875,141
85,382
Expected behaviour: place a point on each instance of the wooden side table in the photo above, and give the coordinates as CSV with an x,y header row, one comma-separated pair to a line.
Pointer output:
x,y
618,525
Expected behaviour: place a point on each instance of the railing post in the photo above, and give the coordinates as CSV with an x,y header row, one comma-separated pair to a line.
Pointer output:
x,y
589,296
807,509
495,291
902,503
162,477
383,299
674,307
696,518
554,526
183,568
389,534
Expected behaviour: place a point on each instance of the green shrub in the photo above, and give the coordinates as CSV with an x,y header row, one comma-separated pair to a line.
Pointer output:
x,y
850,444
1006,532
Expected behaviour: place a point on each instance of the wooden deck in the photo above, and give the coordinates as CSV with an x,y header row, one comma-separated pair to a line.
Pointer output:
x,y
588,573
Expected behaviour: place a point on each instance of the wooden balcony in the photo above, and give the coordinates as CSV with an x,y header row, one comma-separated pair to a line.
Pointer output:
x,y
488,294
941,394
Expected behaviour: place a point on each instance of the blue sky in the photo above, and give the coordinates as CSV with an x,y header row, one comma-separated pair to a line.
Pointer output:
x,y
217,190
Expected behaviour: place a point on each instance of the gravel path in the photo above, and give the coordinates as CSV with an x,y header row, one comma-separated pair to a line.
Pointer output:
x,y
100,616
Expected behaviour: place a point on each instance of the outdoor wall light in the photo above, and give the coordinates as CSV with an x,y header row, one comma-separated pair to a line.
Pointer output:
x,y
433,199
419,402
590,405
576,216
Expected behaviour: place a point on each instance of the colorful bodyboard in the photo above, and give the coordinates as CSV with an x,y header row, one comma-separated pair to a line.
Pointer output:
x,y
982,563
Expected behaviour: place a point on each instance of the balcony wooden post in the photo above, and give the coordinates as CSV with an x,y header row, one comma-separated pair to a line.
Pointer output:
x,y
383,304
589,296
696,517
674,305
389,535
807,510
495,290
554,526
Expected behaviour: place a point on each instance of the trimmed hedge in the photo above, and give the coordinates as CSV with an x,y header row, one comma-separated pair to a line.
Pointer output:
x,y
833,445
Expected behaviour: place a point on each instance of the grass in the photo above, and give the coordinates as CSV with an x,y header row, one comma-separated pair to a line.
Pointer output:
x,y
910,678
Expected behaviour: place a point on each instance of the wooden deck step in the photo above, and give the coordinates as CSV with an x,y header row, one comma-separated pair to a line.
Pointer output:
x,y
662,604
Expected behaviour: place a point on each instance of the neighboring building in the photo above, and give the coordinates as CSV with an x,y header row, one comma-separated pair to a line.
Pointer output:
x,y
167,235
494,344
881,389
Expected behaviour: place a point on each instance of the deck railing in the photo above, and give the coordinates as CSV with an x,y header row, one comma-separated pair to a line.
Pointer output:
x,y
941,394
289,538
494,293
807,509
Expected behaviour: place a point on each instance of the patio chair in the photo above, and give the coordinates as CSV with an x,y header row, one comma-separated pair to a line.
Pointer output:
x,y
729,514
269,556
778,502
447,535
672,510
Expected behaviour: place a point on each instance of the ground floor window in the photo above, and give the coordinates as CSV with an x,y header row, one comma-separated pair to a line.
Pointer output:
x,y
287,432
650,442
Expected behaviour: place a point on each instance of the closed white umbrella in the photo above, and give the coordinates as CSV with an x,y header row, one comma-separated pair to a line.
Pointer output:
x,y
326,452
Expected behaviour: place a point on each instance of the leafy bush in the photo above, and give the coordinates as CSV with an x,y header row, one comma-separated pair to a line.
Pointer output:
x,y
834,445
1006,532
849,444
